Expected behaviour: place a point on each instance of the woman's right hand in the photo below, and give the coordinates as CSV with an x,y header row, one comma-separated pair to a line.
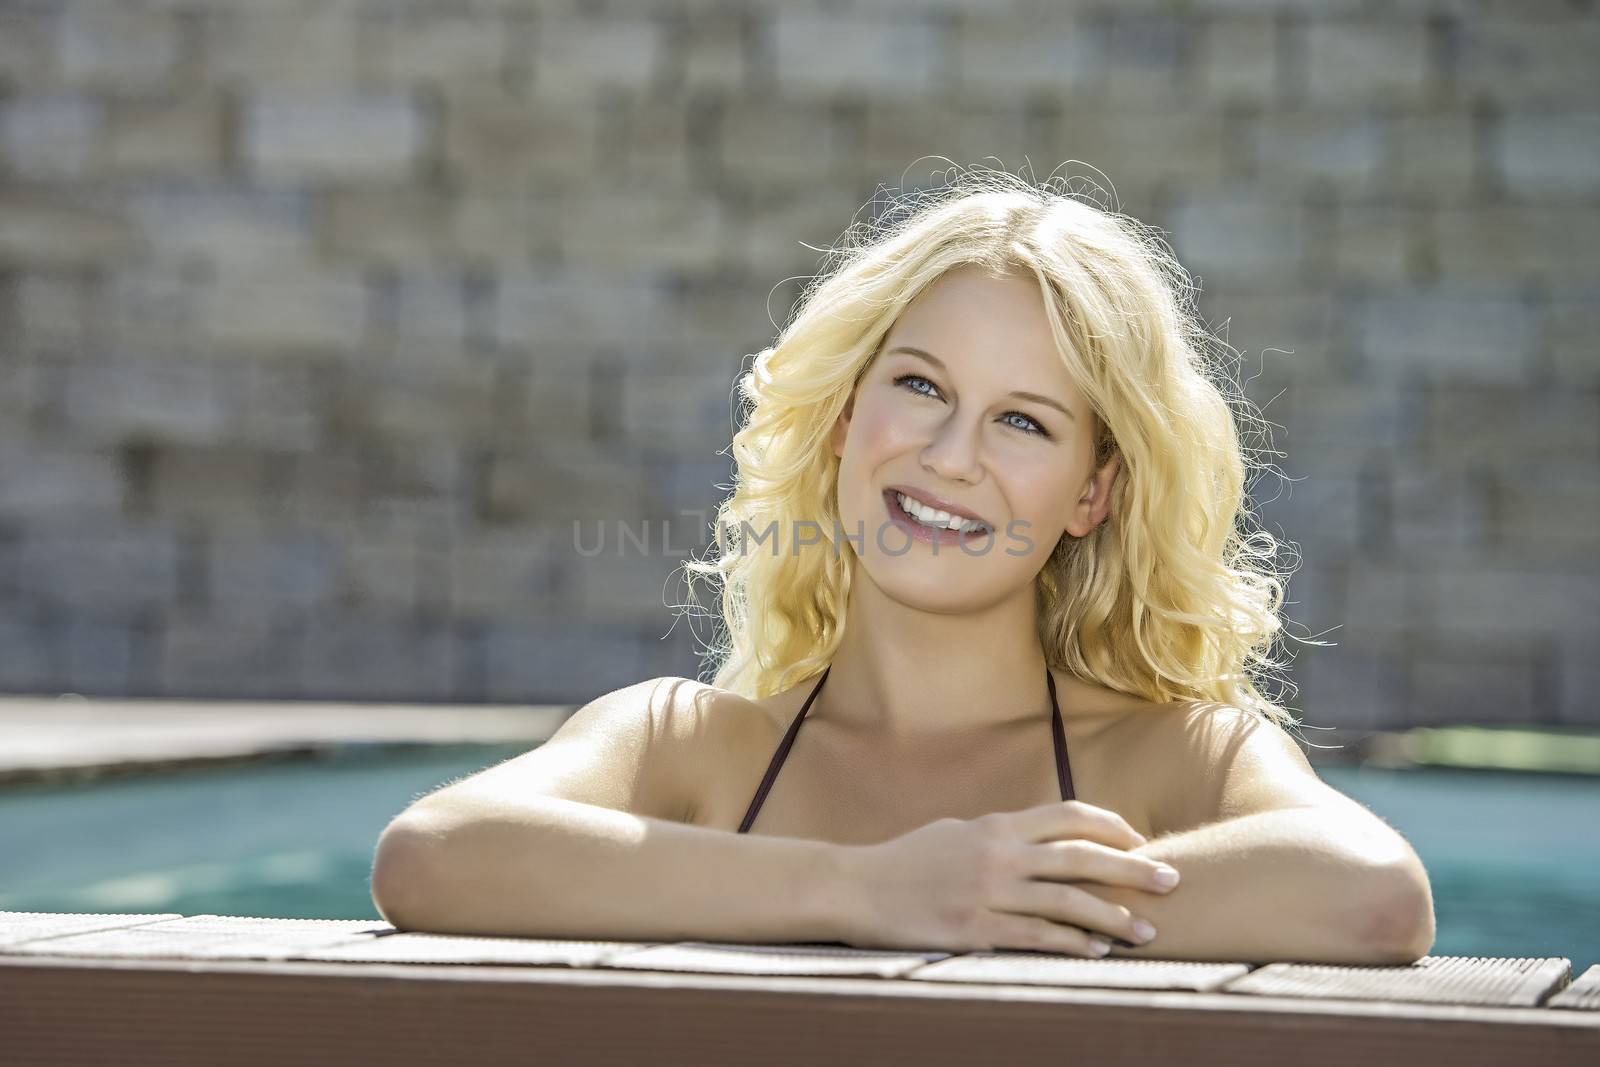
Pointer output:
x,y
1000,882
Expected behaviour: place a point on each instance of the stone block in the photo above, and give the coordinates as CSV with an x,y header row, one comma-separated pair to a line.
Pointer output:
x,y
310,311
1332,151
1508,428
220,488
368,137
651,228
30,661
316,48
52,136
828,54
1492,683
1434,154
408,228
234,652
1146,56
166,136
493,139
786,143
383,576
1369,61
972,128
561,484
269,571
53,227
496,575
54,479
1524,57
1359,685
1511,600
1547,511
565,318
370,657
1378,243
1571,325
1238,59
1001,55
555,661
1448,337
1231,235
1540,153
1497,244
117,49
54,311
443,49
232,227
128,567
710,53
582,55
126,398
1433,508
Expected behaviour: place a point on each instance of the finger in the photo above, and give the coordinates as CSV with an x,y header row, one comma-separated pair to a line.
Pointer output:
x,y
1074,818
1032,933
1061,903
1080,860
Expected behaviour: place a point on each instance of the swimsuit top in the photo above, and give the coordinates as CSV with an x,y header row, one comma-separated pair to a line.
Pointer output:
x,y
1063,766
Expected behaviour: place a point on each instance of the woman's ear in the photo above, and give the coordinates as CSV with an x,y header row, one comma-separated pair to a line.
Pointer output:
x,y
841,426
1099,495
1095,503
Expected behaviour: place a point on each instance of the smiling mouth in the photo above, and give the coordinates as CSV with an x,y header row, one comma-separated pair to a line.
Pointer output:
x,y
923,532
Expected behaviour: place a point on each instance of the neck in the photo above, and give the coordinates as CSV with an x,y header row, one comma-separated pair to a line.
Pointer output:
x,y
903,674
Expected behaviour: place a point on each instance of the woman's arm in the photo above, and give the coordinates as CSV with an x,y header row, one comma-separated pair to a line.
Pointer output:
x,y
1291,884
553,868
1277,865
587,836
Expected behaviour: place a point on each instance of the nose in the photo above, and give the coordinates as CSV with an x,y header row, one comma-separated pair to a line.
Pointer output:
x,y
953,452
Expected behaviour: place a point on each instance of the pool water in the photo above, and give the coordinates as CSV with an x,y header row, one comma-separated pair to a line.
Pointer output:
x,y
1514,858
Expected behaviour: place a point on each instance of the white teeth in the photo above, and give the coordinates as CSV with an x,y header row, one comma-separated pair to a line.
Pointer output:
x,y
933,517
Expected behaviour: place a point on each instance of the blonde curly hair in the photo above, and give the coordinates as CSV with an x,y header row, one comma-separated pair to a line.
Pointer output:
x,y
1171,598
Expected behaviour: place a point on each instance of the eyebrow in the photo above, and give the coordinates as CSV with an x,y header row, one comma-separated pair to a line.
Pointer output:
x,y
937,362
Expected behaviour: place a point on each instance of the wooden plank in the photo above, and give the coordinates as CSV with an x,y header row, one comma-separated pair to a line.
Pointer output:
x,y
1011,968
1582,995
134,1013
204,937
713,957
1494,982
459,949
17,927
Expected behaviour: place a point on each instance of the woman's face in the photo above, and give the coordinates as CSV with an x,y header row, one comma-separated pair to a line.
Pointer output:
x,y
937,415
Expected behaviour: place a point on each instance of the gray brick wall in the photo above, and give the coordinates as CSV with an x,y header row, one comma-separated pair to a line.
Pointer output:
x,y
321,324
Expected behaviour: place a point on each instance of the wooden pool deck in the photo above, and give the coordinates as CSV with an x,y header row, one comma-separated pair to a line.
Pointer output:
x,y
172,989
50,738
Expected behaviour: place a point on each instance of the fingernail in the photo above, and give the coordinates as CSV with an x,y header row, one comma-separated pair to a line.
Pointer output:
x,y
1098,946
1166,876
1144,930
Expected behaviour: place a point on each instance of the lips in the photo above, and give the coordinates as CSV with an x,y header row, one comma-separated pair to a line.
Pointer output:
x,y
922,532
936,503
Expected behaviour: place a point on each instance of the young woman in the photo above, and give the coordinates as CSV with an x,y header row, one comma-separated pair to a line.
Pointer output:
x,y
984,677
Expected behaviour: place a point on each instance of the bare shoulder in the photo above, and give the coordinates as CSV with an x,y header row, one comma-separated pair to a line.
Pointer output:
x,y
1215,761
1185,749
634,749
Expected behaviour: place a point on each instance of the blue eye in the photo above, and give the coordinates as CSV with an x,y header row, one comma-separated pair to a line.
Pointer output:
x,y
1036,429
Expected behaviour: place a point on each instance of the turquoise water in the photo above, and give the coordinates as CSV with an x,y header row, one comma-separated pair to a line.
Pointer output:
x,y
1514,858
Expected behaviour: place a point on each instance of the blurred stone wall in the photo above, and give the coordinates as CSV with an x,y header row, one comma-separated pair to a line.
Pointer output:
x,y
320,323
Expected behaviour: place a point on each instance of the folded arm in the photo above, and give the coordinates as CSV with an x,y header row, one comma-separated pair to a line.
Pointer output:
x,y
1275,863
